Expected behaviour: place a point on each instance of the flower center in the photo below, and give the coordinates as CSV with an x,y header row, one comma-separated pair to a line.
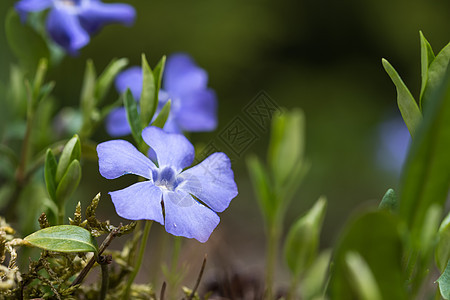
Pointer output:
x,y
166,179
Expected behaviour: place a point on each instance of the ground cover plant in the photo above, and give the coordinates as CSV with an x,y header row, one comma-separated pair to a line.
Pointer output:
x,y
51,239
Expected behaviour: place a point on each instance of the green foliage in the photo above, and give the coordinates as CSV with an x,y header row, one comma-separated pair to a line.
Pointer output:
x,y
71,152
151,83
371,235
436,74
133,116
302,241
315,278
69,182
28,46
161,119
426,58
444,283
50,174
442,254
63,238
408,107
426,175
362,279
389,201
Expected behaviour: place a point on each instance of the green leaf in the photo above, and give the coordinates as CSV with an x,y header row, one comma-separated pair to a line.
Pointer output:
x,y
88,89
302,241
389,201
376,237
363,281
133,116
149,98
436,74
71,151
286,144
39,78
63,238
426,176
408,107
161,119
69,182
444,283
260,181
106,79
158,74
314,281
426,58
27,45
442,254
50,173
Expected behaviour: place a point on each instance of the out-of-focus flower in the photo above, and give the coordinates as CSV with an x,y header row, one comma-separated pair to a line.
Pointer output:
x,y
185,202
71,22
394,140
193,104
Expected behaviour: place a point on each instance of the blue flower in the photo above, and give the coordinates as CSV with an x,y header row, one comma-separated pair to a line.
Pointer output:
x,y
71,22
185,202
193,104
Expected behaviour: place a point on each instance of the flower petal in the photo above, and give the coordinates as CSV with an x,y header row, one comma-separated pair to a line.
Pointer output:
x,y
182,75
211,181
140,201
117,123
119,157
97,14
65,29
24,7
186,217
198,111
131,78
171,149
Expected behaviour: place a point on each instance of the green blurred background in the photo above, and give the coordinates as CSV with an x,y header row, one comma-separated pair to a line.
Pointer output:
x,y
321,56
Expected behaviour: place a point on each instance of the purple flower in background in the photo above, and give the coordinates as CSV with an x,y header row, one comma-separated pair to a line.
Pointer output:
x,y
71,22
193,104
394,140
169,196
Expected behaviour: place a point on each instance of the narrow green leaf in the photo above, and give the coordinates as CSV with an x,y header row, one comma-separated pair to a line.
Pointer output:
x,y
436,74
158,74
149,98
426,176
50,173
408,107
88,89
313,283
444,283
133,116
426,58
27,45
286,146
363,281
389,201
71,151
302,241
69,182
442,254
106,79
63,238
261,186
161,119
377,238
39,77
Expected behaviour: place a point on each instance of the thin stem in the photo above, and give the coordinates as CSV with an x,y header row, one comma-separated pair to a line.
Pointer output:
x,y
271,258
104,261
91,262
148,226
199,278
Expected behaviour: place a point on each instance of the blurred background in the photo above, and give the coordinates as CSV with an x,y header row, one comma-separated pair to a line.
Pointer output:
x,y
321,56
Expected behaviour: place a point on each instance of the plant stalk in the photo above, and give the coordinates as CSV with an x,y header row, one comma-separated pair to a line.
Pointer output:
x,y
148,225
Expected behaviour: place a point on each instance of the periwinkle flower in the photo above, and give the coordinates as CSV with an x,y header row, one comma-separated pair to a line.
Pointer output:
x,y
193,104
185,202
71,22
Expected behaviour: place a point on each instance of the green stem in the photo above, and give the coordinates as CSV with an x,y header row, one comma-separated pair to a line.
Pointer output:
x,y
105,281
271,257
148,225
